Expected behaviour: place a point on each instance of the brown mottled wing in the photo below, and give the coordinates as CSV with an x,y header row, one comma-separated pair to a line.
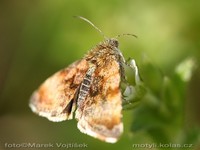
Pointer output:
x,y
55,97
100,114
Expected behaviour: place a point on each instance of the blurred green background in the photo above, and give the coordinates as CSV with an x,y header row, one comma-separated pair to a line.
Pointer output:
x,y
38,38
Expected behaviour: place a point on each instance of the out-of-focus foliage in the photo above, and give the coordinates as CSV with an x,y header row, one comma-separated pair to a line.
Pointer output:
x,y
161,115
37,38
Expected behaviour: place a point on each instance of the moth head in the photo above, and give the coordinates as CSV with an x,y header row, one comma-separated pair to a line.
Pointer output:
x,y
112,42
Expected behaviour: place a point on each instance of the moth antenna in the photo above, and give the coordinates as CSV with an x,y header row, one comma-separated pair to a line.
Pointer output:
x,y
126,34
88,21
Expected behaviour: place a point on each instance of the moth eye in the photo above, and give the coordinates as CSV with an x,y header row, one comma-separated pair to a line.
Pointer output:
x,y
114,42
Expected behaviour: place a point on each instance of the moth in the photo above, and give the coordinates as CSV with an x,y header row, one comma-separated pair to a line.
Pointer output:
x,y
89,90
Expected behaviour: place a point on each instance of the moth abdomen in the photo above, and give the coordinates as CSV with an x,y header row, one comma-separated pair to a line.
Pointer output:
x,y
85,85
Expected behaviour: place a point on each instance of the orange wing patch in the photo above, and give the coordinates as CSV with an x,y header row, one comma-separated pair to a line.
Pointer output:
x,y
100,114
55,97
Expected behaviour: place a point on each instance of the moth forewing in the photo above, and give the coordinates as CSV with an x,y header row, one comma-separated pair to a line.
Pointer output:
x,y
54,99
99,115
